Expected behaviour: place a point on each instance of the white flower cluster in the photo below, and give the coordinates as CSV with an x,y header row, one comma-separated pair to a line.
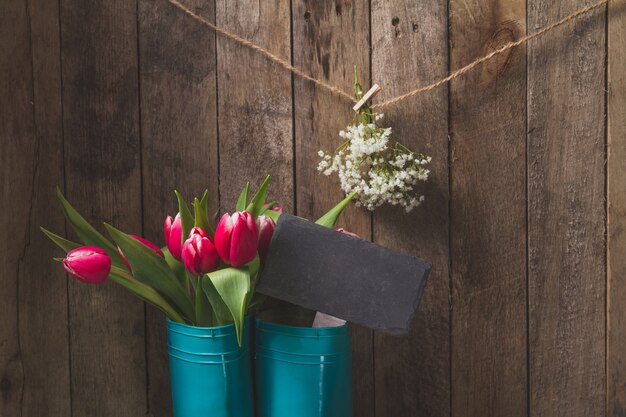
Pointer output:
x,y
378,172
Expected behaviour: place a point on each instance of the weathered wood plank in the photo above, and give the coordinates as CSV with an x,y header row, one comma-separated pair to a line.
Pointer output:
x,y
102,145
255,101
409,48
42,285
329,39
179,141
488,211
566,213
616,187
33,346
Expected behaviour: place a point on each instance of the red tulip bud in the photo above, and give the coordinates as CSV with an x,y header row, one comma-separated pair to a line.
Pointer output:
x,y
236,238
199,254
146,242
88,264
173,231
266,228
345,232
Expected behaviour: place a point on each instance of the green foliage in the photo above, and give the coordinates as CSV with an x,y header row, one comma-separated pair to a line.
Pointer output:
x,y
232,286
201,212
256,204
204,312
330,219
61,242
186,219
242,201
217,298
146,293
153,270
86,232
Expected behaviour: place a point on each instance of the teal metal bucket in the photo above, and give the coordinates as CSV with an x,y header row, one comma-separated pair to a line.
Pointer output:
x,y
303,372
211,375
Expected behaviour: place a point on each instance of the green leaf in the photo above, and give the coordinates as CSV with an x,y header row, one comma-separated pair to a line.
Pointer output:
x,y
204,202
242,201
202,217
186,219
146,293
254,266
204,205
221,313
274,215
177,268
204,312
233,287
61,242
86,232
266,207
330,219
259,198
151,269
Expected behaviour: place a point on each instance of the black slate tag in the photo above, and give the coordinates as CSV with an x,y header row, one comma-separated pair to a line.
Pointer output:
x,y
346,277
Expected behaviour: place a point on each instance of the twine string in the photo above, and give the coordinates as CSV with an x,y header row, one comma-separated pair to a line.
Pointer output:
x,y
272,57
429,87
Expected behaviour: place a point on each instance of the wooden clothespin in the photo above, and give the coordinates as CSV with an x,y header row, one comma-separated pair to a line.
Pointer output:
x,y
367,97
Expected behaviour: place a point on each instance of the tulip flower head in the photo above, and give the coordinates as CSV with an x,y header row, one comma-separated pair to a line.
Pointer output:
x,y
88,264
173,231
146,242
266,228
236,238
199,254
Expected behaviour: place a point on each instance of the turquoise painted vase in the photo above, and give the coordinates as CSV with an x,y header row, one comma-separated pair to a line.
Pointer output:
x,y
211,375
303,372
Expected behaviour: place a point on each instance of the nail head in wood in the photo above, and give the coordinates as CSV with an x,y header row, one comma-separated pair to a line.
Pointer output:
x,y
367,97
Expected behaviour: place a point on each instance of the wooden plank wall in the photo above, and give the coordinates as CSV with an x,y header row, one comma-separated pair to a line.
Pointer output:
x,y
118,102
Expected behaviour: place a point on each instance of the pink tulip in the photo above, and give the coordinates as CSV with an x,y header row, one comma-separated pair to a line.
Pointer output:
x,y
146,242
266,228
236,238
199,254
345,232
88,264
173,231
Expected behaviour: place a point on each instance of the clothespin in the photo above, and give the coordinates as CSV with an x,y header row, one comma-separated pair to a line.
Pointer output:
x,y
367,97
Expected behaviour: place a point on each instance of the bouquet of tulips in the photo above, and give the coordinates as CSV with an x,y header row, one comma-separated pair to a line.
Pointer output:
x,y
205,275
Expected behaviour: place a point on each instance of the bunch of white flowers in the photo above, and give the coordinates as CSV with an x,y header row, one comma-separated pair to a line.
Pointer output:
x,y
379,171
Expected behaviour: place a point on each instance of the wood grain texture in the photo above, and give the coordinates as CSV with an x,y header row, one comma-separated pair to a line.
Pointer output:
x,y
135,86
101,130
33,303
43,316
409,48
331,38
255,102
488,211
616,195
566,213
179,142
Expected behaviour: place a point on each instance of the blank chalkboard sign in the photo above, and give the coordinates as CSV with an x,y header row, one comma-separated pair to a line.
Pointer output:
x,y
344,276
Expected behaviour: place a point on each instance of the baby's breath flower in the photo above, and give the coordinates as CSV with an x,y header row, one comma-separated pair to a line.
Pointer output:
x,y
377,172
